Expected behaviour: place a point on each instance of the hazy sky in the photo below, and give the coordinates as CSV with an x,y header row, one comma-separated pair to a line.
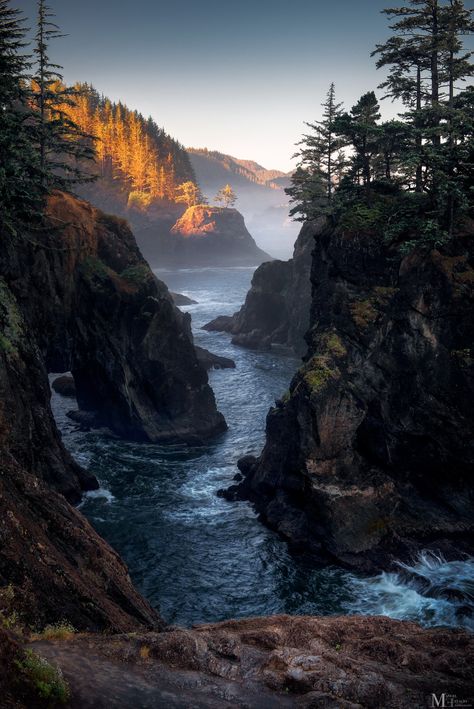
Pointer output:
x,y
237,76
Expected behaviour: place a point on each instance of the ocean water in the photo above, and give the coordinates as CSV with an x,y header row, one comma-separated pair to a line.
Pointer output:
x,y
199,558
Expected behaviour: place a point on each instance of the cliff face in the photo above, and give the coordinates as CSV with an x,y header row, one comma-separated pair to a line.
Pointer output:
x,y
210,236
95,308
276,308
370,455
56,566
78,296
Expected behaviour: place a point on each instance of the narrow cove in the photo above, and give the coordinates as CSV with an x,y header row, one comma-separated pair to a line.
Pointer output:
x,y
199,558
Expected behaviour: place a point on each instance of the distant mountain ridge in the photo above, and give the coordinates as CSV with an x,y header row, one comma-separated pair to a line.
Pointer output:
x,y
248,169
260,196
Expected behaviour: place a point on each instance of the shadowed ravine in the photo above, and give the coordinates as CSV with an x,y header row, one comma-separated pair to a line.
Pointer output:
x,y
202,559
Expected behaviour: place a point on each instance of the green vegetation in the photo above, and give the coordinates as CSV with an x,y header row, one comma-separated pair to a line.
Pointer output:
x,y
136,275
410,180
333,345
58,631
363,313
318,372
323,367
46,681
93,268
39,144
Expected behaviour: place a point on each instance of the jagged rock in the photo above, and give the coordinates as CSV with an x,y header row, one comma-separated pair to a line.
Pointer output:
x,y
180,299
57,566
223,323
370,456
277,306
27,427
82,299
209,360
211,236
101,314
266,663
65,386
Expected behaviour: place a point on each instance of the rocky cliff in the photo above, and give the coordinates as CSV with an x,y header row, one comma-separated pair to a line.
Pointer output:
x,y
276,308
370,454
210,236
93,307
77,295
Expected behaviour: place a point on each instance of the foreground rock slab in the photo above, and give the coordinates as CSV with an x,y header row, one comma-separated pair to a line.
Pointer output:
x,y
282,661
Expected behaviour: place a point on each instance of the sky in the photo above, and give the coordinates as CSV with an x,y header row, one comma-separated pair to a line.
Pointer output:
x,y
239,77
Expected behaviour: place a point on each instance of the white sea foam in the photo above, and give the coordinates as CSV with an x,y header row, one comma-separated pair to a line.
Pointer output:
x,y
431,591
100,494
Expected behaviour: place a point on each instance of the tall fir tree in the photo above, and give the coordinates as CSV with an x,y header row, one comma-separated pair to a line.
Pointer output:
x,y
62,144
20,191
319,160
428,41
360,130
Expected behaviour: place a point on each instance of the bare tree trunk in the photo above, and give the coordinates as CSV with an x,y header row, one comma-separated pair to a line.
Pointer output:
x,y
418,139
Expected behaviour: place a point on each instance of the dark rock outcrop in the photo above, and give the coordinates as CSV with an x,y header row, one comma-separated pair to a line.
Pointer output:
x,y
276,308
209,360
57,566
27,427
180,299
78,297
210,236
65,386
263,663
97,310
370,455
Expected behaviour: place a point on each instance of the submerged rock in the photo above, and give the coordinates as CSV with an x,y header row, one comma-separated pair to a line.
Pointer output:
x,y
277,306
209,360
180,299
65,386
370,455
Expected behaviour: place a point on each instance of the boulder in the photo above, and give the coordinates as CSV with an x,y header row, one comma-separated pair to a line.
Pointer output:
x,y
65,386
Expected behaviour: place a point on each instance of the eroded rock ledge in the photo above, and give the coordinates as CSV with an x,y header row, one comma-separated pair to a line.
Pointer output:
x,y
262,663
370,455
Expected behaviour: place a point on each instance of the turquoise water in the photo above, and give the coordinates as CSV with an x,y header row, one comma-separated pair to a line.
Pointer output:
x,y
199,558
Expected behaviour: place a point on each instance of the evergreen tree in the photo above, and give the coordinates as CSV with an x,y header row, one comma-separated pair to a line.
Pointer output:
x,y
320,162
360,131
62,144
427,61
189,194
226,196
20,193
320,147
307,194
